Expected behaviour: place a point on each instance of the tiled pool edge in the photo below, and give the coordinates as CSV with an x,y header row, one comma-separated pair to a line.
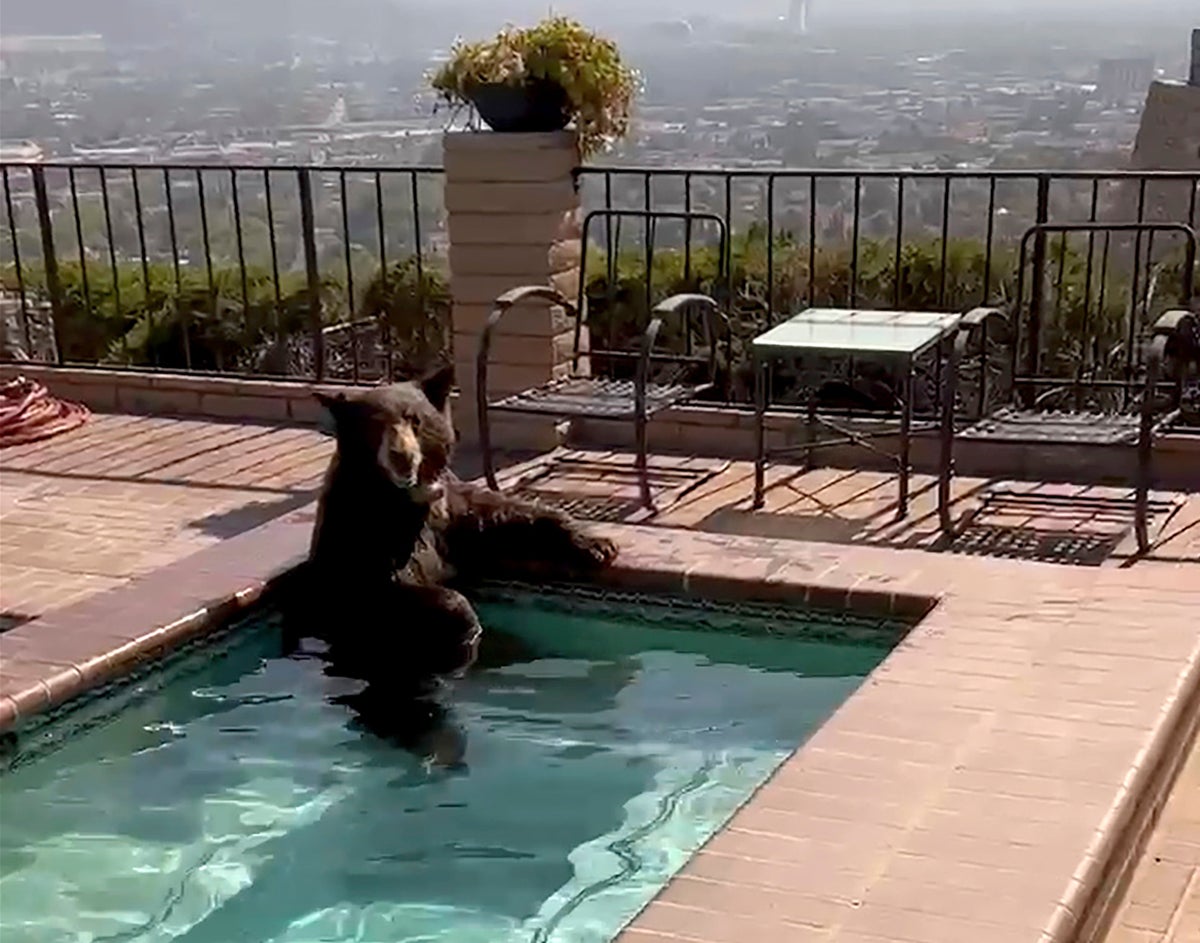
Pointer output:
x,y
1097,887
214,584
1143,806
1082,911
103,638
82,646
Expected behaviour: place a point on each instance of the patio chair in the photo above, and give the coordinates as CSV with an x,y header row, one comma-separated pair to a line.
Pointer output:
x,y
583,395
1134,411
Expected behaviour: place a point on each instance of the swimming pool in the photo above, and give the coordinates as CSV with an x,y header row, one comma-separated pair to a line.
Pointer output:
x,y
233,796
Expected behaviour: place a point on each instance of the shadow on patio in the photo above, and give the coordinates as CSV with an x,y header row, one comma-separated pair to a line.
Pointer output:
x,y
1068,524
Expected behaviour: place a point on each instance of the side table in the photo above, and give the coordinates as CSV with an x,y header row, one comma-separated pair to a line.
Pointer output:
x,y
901,336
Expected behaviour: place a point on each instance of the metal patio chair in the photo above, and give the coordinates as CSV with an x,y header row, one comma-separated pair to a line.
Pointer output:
x,y
583,395
1134,412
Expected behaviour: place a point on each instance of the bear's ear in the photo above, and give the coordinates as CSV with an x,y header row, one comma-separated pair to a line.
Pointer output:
x,y
437,384
334,403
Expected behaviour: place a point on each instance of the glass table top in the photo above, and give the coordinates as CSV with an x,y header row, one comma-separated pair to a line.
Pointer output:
x,y
851,330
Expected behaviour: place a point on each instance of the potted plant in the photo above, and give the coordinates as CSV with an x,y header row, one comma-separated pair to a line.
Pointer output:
x,y
542,78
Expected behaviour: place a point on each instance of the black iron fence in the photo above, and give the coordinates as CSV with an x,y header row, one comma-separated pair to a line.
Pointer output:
x,y
308,271
923,240
341,272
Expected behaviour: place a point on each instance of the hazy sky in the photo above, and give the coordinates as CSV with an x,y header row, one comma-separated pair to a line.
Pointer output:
x,y
151,18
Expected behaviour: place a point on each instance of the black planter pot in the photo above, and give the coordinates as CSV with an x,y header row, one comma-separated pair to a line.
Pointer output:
x,y
535,106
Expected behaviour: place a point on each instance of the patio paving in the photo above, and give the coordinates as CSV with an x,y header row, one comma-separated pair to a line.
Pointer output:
x,y
127,495
834,505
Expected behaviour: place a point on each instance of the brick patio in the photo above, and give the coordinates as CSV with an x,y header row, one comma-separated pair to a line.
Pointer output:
x,y
127,494
834,505
974,789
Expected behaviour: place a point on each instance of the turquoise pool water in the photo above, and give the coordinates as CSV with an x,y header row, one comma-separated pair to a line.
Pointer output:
x,y
231,797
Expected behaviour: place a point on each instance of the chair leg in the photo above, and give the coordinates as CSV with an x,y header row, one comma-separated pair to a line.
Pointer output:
x,y
642,460
760,450
1145,445
1142,527
485,442
1145,473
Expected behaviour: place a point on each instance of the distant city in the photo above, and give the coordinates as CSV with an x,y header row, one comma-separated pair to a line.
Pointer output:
x,y
786,84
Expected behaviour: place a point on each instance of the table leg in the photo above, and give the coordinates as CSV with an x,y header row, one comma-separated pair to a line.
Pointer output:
x,y
905,437
760,415
946,458
811,431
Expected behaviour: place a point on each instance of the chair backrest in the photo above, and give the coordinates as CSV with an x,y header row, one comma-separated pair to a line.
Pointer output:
x,y
613,218
1027,335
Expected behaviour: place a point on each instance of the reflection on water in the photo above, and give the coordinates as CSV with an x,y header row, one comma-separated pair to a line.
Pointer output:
x,y
247,797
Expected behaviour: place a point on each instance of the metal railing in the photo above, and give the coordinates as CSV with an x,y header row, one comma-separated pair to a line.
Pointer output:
x,y
340,273
931,239
175,266
995,208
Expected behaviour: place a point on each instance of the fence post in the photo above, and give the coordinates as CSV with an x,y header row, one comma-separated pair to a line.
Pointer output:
x,y
49,257
1033,356
308,233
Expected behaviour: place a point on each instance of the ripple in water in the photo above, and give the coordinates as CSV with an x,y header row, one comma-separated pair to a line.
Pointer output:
x,y
236,799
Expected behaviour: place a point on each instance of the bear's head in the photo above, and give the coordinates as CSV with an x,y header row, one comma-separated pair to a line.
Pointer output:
x,y
401,432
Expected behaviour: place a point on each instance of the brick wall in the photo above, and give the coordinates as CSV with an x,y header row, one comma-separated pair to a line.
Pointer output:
x,y
173,394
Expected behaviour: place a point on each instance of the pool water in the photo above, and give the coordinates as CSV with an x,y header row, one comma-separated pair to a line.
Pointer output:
x,y
232,797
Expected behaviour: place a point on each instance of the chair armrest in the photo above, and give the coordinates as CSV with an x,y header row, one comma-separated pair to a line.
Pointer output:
x,y
682,303
504,303
714,320
1181,331
988,323
515,296
979,317
986,320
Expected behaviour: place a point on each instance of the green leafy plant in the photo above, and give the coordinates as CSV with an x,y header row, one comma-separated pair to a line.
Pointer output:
x,y
153,318
598,86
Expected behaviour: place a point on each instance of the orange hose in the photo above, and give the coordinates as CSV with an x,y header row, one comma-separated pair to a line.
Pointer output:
x,y
28,413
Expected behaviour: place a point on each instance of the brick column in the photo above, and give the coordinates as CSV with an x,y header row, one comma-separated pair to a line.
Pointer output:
x,y
514,219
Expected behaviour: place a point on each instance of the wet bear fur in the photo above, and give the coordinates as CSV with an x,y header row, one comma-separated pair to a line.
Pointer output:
x,y
397,531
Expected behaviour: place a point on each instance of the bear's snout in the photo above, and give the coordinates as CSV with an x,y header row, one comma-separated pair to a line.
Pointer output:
x,y
403,458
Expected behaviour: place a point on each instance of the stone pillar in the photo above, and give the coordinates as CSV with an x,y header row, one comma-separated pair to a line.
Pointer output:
x,y
513,215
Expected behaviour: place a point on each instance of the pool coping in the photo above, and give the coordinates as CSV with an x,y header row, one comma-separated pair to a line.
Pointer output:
x,y
976,673
100,639
1084,908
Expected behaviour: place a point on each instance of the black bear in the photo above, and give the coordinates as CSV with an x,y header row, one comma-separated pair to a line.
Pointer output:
x,y
395,525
